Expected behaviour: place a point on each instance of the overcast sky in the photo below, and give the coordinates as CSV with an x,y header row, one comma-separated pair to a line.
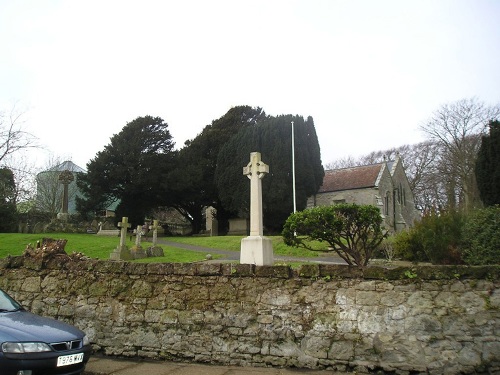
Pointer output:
x,y
368,72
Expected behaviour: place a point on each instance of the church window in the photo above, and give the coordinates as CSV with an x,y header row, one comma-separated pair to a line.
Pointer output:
x,y
386,204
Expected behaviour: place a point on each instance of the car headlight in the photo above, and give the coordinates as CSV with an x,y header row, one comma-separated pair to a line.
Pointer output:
x,y
86,340
25,347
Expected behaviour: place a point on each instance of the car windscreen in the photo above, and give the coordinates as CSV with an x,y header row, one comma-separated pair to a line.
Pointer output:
x,y
7,303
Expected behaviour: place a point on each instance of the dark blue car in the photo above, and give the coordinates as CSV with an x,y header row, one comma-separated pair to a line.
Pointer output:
x,y
34,345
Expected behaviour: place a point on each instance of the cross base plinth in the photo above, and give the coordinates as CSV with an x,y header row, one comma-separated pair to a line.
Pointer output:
x,y
257,250
138,252
121,253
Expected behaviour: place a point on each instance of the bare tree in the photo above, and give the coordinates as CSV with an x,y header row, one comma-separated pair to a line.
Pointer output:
x,y
13,137
24,176
456,128
346,162
14,143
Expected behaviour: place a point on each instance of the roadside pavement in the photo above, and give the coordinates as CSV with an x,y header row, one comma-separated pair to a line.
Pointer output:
x,y
111,366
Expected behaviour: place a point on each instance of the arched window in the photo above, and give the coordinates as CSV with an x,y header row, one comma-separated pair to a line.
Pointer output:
x,y
386,203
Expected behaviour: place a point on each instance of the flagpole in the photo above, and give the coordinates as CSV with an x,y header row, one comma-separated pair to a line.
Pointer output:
x,y
293,170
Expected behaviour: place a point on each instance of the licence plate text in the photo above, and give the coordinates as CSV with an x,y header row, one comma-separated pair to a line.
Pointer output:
x,y
66,360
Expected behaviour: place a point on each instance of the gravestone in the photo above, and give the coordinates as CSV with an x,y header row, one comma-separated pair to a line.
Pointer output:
x,y
238,227
137,251
211,224
154,227
256,249
154,250
122,252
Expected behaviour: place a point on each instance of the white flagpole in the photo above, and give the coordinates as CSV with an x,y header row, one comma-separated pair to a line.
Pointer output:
x,y
293,170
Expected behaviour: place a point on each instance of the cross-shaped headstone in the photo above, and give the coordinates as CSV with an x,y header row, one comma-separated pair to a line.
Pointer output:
x,y
154,227
124,225
138,236
255,171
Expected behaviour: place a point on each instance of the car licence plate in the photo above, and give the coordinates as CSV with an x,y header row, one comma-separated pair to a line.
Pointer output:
x,y
66,360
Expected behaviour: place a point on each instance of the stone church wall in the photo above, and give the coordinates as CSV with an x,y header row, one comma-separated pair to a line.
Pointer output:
x,y
359,196
436,320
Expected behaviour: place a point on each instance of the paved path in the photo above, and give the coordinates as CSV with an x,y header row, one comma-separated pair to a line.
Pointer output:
x,y
108,366
227,255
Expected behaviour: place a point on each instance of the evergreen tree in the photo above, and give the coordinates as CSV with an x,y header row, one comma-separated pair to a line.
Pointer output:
x,y
131,170
272,138
193,181
488,166
8,210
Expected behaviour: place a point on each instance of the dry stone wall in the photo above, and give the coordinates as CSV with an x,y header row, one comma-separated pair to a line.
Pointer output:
x,y
434,320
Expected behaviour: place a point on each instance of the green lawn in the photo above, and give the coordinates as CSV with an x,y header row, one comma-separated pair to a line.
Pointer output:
x,y
233,243
101,246
91,245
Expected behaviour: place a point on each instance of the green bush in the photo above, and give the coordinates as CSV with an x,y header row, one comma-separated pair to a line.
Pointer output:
x,y
436,238
481,237
408,247
354,232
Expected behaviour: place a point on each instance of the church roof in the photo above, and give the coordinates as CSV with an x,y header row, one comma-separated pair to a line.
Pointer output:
x,y
360,177
66,165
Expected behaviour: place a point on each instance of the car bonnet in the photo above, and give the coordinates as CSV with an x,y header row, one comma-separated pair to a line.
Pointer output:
x,y
25,326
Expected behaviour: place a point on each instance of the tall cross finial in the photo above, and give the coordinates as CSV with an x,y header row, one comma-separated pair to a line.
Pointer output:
x,y
255,171
256,249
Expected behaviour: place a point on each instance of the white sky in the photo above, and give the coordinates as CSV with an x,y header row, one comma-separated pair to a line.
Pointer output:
x,y
368,72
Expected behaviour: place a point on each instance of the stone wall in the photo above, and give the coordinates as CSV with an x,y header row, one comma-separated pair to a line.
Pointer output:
x,y
437,320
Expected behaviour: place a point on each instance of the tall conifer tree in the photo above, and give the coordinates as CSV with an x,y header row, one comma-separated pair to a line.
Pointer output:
x,y
273,139
488,166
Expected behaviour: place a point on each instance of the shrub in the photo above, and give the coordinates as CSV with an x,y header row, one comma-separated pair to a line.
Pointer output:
x,y
435,238
354,232
481,237
408,247
386,249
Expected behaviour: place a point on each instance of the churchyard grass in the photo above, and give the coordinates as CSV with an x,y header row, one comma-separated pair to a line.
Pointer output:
x,y
92,246
101,246
232,243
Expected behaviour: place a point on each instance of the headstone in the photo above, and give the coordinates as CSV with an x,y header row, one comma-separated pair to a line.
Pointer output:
x,y
155,250
122,252
211,223
137,251
256,249
66,178
238,227
154,227
138,235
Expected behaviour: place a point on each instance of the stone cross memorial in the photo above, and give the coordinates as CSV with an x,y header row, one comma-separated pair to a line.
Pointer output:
x,y
154,227
66,178
122,252
256,249
138,235
137,251
155,250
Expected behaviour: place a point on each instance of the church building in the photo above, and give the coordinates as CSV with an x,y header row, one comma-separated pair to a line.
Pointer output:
x,y
384,185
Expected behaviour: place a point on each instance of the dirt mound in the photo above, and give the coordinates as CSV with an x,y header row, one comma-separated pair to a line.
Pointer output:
x,y
46,249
